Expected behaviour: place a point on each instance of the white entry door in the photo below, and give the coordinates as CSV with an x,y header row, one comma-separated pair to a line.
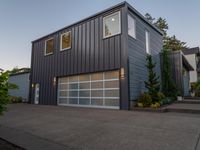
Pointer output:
x,y
37,91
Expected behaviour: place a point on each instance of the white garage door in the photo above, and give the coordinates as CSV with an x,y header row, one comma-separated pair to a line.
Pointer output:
x,y
93,90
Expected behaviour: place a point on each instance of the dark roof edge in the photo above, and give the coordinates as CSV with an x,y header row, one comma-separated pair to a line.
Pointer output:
x,y
143,18
101,12
15,74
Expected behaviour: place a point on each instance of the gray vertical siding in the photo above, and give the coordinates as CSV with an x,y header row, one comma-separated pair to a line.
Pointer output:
x,y
181,81
89,53
22,81
137,56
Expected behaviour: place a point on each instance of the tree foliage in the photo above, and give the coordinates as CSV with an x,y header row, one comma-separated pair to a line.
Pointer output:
x,y
169,42
152,84
4,86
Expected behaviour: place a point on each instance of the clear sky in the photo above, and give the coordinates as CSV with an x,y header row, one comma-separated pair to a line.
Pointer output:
x,y
22,21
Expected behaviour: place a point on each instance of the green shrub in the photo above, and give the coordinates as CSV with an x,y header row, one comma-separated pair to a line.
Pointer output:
x,y
166,100
145,99
156,105
159,97
15,99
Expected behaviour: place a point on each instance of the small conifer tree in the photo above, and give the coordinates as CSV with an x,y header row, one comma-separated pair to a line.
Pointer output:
x,y
152,84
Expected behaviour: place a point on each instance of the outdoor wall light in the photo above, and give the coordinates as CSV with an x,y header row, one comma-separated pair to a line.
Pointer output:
x,y
32,85
122,74
54,81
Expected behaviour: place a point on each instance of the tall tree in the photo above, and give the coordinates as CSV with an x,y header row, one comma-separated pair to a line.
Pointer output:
x,y
149,17
162,25
169,42
172,43
152,84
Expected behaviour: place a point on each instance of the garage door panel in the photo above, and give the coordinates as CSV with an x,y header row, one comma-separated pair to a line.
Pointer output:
x,y
112,102
97,102
96,89
84,101
73,93
73,100
112,93
84,93
112,84
63,100
63,93
97,93
73,86
84,85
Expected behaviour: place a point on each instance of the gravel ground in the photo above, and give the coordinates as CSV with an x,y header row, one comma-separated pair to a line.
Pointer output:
x,y
4,145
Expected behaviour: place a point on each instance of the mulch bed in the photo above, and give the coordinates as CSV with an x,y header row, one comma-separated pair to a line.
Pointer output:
x,y
5,145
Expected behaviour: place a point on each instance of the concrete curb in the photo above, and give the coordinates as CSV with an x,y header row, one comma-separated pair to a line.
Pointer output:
x,y
29,141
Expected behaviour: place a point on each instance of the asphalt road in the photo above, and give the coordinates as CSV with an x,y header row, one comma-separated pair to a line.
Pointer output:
x,y
55,127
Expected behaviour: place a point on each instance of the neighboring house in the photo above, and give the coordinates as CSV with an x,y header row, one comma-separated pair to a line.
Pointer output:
x,y
96,62
193,57
180,68
21,79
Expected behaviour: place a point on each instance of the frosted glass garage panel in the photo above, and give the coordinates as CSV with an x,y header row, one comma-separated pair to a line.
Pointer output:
x,y
94,90
97,102
84,101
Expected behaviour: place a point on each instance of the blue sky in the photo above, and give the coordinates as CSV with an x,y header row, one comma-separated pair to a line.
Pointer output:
x,y
22,21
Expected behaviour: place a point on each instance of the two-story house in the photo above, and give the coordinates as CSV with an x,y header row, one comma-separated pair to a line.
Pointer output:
x,y
96,62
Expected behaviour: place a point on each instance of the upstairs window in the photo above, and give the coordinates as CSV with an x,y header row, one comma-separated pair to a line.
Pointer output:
x,y
111,25
49,46
131,27
65,41
147,41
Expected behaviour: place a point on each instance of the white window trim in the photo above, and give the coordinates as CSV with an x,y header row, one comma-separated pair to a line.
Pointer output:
x,y
129,15
147,42
45,50
61,41
119,14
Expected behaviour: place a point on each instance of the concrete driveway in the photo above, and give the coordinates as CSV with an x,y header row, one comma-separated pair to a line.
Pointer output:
x,y
56,127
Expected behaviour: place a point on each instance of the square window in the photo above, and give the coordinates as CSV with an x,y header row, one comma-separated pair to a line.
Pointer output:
x,y
49,46
111,25
131,27
65,41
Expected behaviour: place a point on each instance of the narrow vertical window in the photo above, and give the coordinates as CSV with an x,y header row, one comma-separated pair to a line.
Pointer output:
x,y
65,41
111,25
49,46
147,40
131,27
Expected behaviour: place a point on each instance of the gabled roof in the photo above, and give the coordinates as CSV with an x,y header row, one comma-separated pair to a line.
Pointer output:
x,y
194,50
104,11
